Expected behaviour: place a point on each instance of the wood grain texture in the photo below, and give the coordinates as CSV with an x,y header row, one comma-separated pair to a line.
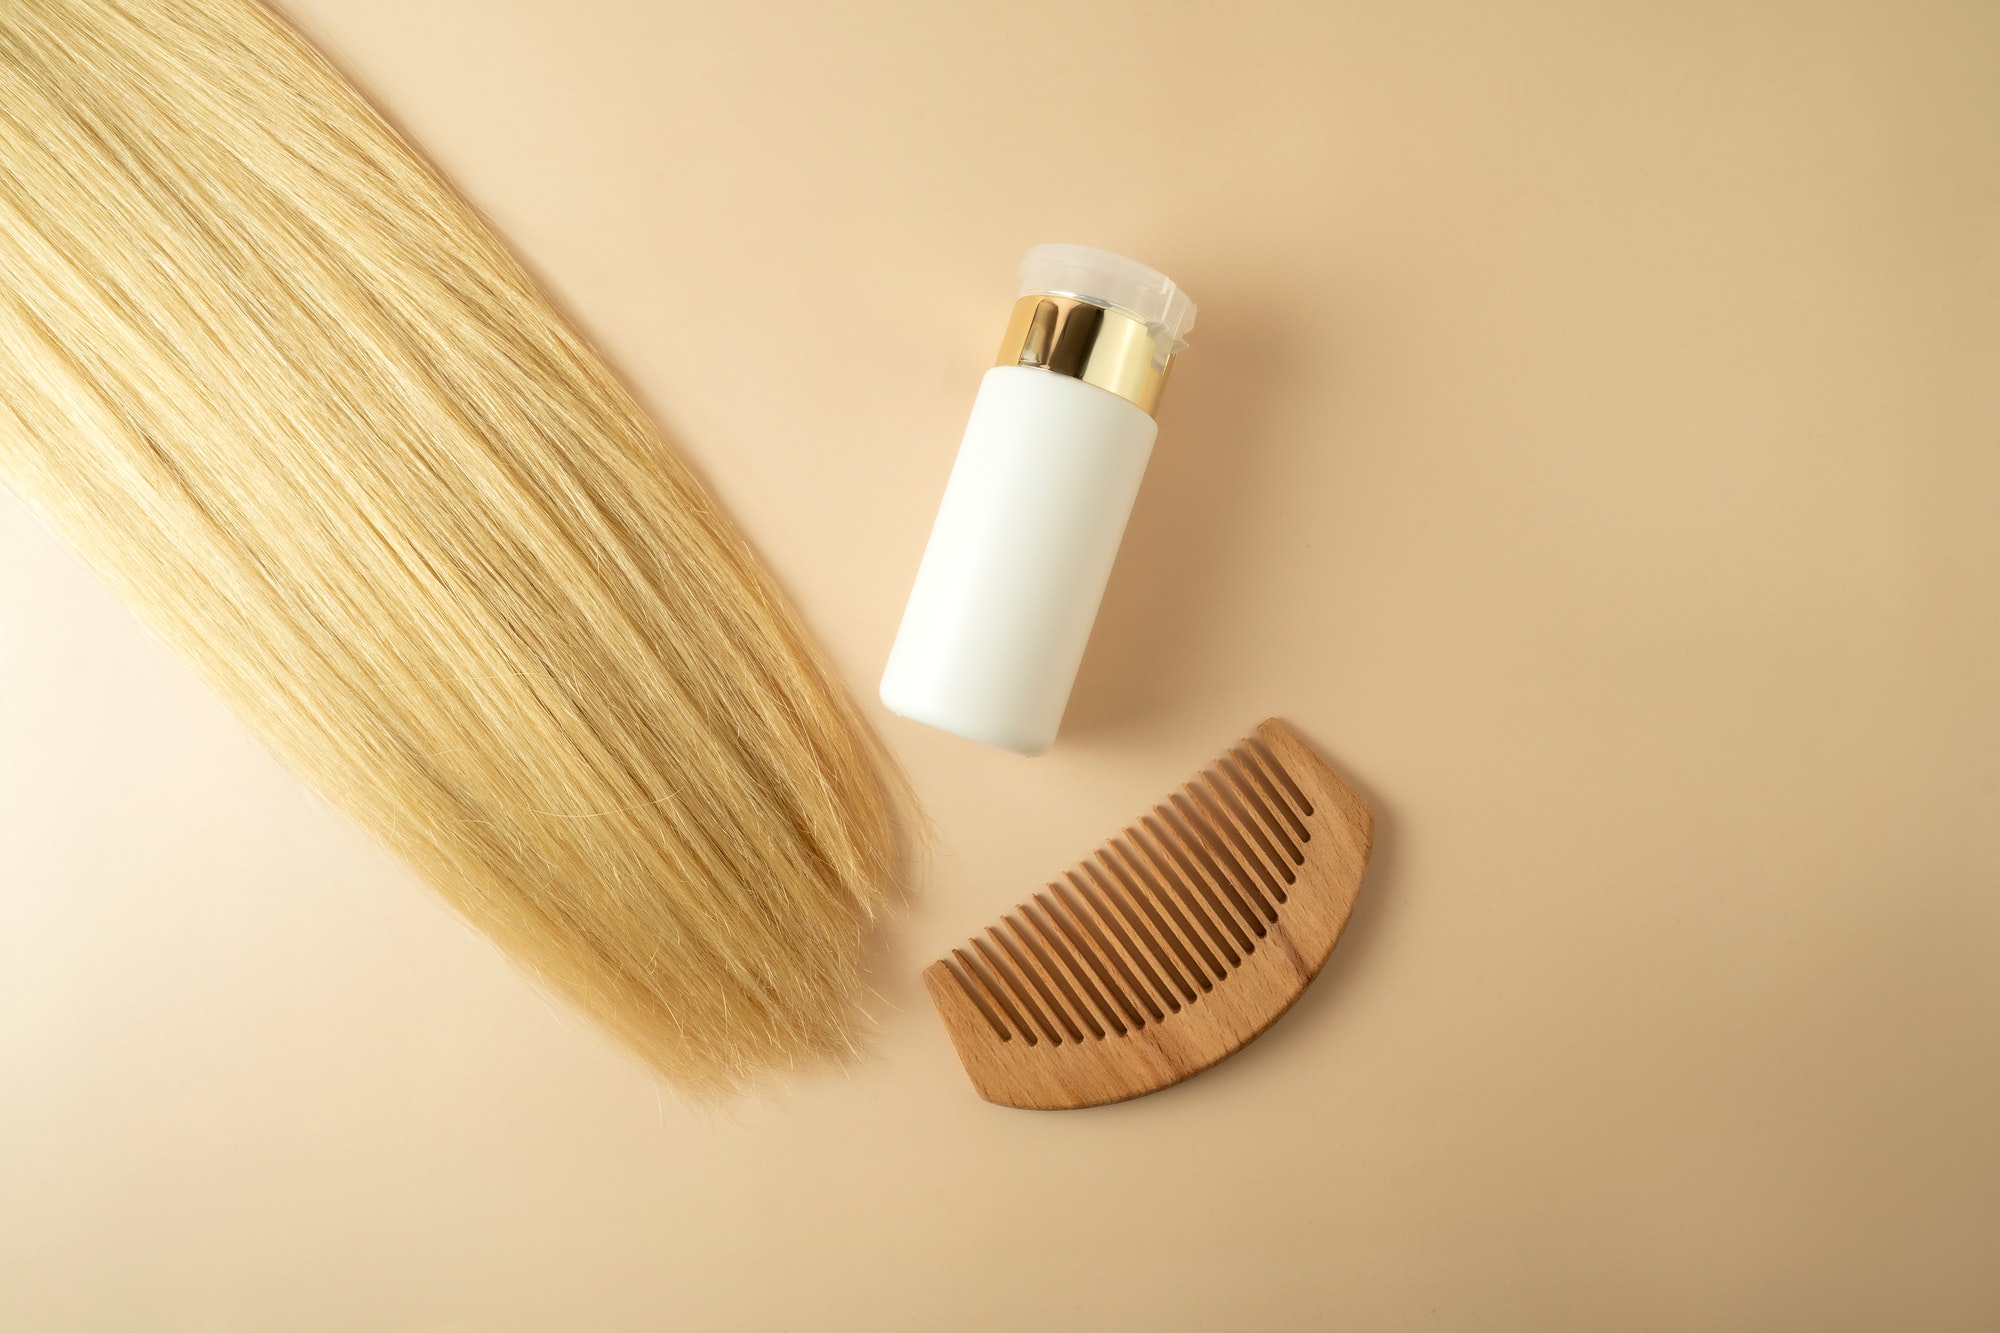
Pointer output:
x,y
1173,945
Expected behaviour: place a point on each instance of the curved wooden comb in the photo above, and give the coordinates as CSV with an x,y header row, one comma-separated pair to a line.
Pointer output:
x,y
1179,941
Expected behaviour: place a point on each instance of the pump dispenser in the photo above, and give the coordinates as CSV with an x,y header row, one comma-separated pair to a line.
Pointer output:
x,y
1038,500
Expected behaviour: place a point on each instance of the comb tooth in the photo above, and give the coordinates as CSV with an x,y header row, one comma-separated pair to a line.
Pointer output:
x,y
1262,749
1149,889
1048,982
1049,942
1227,906
1141,952
1276,801
1096,955
1257,850
1233,768
1158,998
1153,867
1111,877
974,993
1230,843
1205,838
1016,988
970,971
1134,918
1201,791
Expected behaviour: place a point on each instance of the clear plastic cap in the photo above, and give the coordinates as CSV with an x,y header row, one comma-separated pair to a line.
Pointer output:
x,y
1105,279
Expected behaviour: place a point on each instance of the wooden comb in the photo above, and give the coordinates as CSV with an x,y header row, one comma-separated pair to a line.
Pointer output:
x,y
1179,941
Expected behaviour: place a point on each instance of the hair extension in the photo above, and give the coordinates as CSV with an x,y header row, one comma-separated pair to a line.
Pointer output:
x,y
290,398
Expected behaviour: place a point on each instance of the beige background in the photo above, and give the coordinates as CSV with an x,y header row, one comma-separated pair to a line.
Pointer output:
x,y
1591,439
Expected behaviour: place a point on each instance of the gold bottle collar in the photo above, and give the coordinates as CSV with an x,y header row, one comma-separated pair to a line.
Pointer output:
x,y
1087,342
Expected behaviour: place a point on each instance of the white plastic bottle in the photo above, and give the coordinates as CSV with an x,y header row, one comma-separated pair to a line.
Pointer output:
x,y
1037,502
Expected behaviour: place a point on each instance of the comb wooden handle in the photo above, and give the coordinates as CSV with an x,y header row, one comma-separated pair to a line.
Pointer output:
x,y
1175,944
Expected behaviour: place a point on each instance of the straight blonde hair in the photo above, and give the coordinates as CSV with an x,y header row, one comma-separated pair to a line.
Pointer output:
x,y
292,399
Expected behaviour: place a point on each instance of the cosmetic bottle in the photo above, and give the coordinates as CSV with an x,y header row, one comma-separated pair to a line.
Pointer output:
x,y
1038,499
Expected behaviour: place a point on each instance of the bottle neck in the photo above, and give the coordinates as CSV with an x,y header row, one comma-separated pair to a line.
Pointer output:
x,y
1092,343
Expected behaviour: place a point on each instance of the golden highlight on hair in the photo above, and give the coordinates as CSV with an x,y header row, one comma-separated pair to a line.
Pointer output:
x,y
294,401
